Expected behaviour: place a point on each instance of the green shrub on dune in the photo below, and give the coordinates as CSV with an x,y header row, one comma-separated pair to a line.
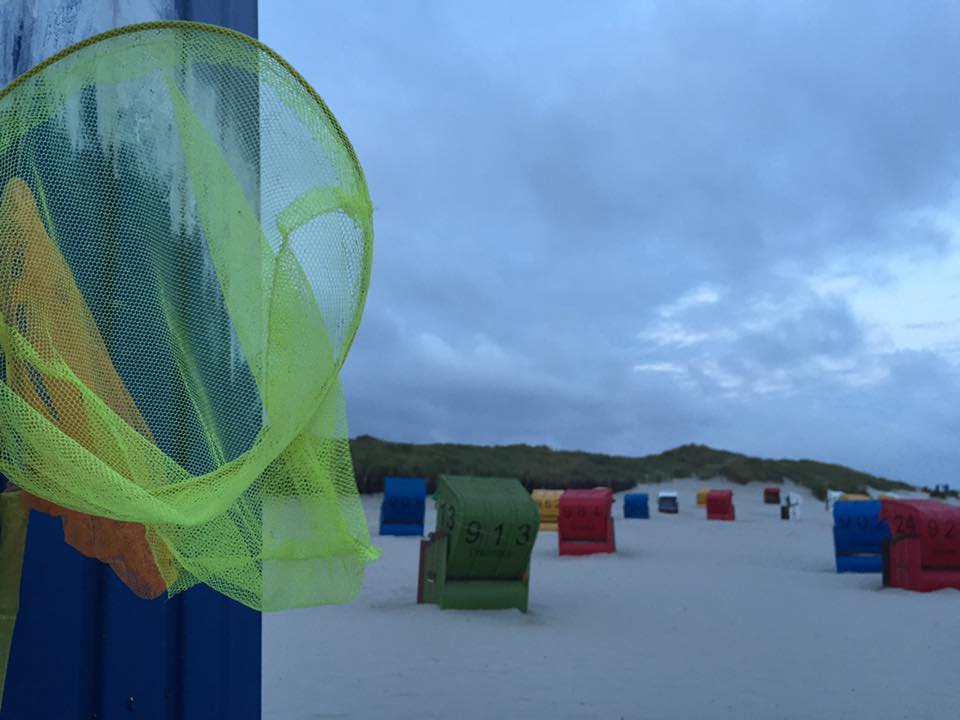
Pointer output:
x,y
540,467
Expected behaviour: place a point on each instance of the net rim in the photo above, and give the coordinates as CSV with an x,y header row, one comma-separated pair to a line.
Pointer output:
x,y
274,55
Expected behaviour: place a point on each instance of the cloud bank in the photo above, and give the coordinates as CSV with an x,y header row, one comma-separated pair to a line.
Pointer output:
x,y
659,223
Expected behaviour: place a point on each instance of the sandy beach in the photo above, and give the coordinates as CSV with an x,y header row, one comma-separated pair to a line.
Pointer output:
x,y
689,619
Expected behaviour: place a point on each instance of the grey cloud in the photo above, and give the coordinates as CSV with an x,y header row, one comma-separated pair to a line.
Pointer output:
x,y
546,176
825,329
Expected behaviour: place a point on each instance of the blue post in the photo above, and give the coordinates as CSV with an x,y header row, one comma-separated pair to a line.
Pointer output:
x,y
85,647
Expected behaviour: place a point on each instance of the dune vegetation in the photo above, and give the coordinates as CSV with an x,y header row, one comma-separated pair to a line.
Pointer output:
x,y
541,467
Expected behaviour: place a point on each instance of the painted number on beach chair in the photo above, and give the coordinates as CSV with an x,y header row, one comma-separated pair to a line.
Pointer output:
x,y
905,525
473,532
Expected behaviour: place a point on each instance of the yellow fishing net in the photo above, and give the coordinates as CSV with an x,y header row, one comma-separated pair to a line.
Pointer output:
x,y
185,246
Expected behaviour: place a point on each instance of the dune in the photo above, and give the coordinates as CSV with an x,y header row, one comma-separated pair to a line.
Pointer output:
x,y
689,619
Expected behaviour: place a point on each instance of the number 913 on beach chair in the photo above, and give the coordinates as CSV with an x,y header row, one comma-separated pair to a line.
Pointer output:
x,y
479,555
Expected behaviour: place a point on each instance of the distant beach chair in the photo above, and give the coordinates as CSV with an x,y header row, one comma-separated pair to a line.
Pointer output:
x,y
586,522
832,497
720,505
548,504
923,552
636,505
667,502
858,536
404,503
479,555
790,510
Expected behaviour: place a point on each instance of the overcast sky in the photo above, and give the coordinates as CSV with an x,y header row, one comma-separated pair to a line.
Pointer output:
x,y
621,227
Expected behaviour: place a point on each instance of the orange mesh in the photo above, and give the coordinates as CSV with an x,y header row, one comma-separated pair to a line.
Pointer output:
x,y
41,288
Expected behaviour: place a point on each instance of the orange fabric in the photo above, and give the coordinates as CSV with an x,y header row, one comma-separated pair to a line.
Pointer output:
x,y
39,297
121,545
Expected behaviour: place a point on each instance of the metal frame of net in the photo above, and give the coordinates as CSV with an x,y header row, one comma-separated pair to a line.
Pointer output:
x,y
185,249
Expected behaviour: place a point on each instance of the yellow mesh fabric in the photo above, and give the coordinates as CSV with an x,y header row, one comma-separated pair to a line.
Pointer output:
x,y
185,245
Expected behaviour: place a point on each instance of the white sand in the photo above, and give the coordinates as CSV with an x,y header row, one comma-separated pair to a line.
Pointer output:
x,y
690,619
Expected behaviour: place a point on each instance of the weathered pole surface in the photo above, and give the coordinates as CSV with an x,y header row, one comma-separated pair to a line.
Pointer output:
x,y
85,647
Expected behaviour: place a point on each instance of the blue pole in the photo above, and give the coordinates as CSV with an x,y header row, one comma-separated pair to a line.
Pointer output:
x,y
85,647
